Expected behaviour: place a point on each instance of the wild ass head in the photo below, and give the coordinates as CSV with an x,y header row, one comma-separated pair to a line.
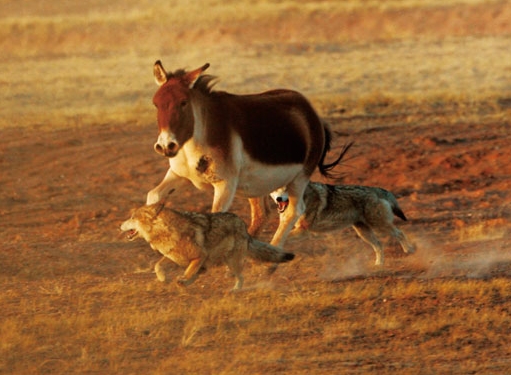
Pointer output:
x,y
175,115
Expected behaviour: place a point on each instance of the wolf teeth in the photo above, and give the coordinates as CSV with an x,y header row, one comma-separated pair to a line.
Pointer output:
x,y
131,234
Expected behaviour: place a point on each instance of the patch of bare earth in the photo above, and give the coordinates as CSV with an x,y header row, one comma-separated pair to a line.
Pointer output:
x,y
78,296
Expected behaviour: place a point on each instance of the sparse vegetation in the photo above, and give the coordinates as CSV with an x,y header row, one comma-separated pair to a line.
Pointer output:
x,y
421,86
379,323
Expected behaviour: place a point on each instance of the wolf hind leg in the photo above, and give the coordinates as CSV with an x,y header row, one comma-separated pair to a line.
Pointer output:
x,y
368,236
408,248
235,261
191,272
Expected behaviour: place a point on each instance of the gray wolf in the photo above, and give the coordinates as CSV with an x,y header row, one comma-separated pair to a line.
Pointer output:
x,y
366,209
197,241
234,143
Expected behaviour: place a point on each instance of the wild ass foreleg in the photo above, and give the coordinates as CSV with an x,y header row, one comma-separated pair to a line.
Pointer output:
x,y
259,213
169,182
295,209
286,222
224,195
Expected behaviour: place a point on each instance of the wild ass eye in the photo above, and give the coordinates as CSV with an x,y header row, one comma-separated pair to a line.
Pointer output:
x,y
184,103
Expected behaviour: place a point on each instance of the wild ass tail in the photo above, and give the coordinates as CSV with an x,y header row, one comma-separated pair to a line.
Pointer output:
x,y
325,169
265,252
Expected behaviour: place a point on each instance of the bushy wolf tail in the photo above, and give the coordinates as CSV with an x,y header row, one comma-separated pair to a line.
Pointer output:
x,y
389,197
265,252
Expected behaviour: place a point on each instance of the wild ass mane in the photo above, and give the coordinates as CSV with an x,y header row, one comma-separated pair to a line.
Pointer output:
x,y
204,83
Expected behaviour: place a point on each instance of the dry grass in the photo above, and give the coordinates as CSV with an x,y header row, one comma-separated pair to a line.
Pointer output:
x,y
76,65
76,326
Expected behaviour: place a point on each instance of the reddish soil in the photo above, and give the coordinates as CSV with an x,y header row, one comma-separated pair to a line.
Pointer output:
x,y
63,190
64,264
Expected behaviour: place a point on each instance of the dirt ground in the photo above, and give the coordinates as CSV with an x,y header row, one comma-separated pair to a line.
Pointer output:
x,y
61,188
65,268
65,193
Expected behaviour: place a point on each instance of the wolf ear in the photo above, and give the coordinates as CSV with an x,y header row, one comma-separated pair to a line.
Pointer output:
x,y
160,75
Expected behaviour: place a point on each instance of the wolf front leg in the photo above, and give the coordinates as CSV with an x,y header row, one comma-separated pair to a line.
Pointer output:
x,y
169,182
160,274
191,272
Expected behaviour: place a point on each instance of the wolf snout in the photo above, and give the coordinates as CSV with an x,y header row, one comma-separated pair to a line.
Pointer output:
x,y
128,231
281,203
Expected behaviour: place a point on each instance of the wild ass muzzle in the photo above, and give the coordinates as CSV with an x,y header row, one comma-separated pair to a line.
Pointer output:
x,y
244,145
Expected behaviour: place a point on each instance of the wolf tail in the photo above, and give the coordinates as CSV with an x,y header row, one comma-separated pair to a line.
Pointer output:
x,y
398,212
265,252
389,197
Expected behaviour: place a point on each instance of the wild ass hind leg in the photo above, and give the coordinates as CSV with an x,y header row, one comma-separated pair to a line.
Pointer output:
x,y
258,213
368,236
191,272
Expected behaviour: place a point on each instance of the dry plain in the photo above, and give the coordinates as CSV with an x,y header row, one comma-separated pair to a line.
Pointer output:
x,y
423,88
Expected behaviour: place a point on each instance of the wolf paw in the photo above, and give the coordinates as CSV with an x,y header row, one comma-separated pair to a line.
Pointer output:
x,y
182,281
160,274
410,249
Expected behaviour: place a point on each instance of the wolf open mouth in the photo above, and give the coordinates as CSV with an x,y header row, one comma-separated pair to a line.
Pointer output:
x,y
131,234
282,204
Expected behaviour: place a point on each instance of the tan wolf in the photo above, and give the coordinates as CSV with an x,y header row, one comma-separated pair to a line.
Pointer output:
x,y
329,207
196,241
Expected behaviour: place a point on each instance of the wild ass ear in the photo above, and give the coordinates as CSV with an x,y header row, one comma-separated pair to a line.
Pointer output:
x,y
160,75
192,76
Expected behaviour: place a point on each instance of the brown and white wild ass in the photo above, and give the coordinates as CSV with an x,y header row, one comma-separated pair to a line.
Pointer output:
x,y
245,145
